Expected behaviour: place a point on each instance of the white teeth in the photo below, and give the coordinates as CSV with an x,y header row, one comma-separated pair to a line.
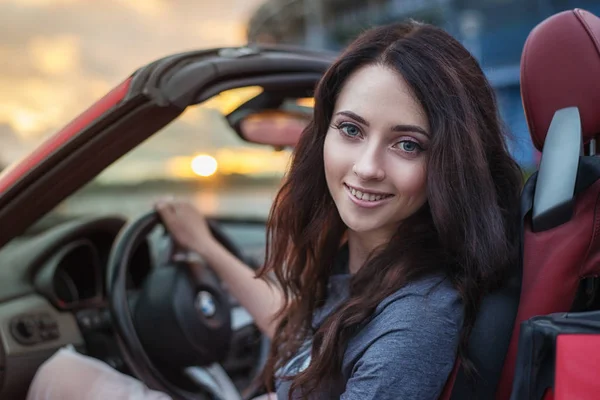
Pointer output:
x,y
365,196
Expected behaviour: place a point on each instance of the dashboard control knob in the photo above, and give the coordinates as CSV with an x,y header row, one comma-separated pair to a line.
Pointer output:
x,y
29,329
24,330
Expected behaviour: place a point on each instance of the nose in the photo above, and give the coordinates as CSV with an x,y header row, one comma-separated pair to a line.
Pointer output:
x,y
369,166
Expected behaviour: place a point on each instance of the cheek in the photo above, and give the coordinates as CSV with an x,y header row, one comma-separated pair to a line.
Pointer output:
x,y
411,180
333,159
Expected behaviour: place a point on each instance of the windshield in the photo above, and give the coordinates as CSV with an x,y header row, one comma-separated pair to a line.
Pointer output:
x,y
197,157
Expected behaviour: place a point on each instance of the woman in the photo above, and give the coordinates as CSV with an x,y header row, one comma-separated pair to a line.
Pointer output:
x,y
399,213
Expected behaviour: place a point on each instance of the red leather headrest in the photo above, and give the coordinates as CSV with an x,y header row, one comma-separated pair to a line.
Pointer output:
x,y
560,67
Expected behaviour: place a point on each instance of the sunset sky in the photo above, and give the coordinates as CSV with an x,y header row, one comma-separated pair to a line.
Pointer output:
x,y
59,56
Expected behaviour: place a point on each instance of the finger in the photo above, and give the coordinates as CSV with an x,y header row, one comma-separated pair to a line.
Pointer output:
x,y
167,215
163,209
168,207
164,201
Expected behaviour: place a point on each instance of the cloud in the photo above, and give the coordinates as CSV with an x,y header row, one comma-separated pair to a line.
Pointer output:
x,y
60,56
11,146
38,3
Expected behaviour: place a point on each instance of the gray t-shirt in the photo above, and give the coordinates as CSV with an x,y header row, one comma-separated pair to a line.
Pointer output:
x,y
406,350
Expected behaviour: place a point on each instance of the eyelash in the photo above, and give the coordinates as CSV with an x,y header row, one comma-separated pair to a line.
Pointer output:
x,y
341,125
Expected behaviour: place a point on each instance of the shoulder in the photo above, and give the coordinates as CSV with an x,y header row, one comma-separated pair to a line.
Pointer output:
x,y
428,300
409,345
429,309
406,364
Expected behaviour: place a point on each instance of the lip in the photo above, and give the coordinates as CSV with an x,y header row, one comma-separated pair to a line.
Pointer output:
x,y
365,203
367,191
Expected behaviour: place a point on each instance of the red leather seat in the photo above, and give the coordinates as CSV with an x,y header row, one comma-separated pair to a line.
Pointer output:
x,y
560,86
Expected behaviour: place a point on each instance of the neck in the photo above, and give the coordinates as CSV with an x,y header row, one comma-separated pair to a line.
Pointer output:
x,y
360,246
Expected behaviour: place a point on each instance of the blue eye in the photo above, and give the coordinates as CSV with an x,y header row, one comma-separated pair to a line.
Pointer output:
x,y
409,146
350,130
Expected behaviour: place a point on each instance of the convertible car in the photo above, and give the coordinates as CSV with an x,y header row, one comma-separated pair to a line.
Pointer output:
x,y
73,272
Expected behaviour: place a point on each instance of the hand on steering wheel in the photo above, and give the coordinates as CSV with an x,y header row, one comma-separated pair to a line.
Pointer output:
x,y
186,225
179,320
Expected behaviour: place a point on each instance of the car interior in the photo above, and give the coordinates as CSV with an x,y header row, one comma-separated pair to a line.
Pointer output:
x,y
560,88
68,287
555,289
105,283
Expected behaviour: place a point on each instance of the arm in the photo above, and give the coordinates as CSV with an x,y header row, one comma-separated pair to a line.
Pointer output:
x,y
261,299
189,229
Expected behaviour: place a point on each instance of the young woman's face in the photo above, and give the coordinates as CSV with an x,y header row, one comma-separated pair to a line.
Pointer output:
x,y
375,151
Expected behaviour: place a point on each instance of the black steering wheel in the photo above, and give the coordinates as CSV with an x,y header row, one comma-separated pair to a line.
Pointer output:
x,y
177,320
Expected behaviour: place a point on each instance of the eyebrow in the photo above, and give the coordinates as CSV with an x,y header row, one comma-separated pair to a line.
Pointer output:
x,y
395,128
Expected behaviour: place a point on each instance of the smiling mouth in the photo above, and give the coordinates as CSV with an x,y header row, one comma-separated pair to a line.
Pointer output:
x,y
366,196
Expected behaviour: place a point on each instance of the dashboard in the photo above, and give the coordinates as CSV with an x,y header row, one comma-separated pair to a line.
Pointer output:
x,y
73,278
53,294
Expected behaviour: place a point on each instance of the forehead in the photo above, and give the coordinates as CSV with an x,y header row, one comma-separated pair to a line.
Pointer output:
x,y
381,96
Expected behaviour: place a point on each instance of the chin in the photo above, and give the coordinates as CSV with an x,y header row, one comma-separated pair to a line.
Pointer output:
x,y
362,224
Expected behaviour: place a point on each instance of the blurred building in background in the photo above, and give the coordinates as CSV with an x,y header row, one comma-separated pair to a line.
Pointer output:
x,y
493,30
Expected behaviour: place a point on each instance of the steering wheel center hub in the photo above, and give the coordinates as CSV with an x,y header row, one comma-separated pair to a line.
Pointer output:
x,y
205,303
182,321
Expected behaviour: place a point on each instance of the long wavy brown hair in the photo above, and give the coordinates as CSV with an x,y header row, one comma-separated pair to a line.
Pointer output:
x,y
468,229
